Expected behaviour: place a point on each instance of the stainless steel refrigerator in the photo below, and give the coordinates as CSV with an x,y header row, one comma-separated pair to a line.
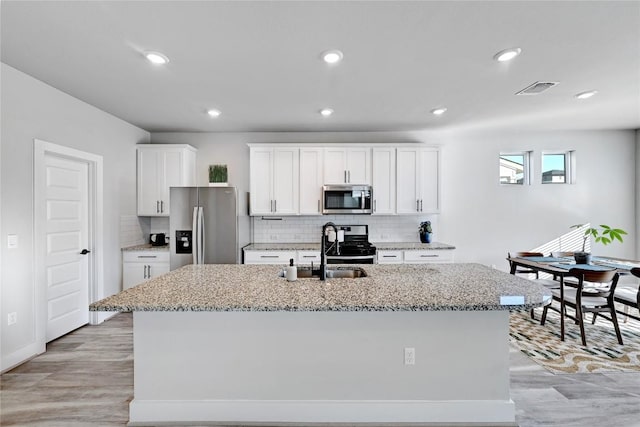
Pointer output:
x,y
203,223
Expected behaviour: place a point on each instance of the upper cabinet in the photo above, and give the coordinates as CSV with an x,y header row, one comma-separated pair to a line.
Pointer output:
x,y
274,180
418,180
161,166
347,165
311,180
384,181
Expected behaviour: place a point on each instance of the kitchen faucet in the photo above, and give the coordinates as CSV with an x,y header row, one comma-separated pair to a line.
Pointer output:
x,y
323,250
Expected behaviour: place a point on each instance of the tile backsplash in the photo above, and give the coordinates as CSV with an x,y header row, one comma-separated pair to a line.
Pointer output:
x,y
132,230
306,229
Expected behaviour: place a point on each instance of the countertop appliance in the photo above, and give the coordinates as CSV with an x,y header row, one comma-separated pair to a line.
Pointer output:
x,y
158,239
355,249
204,226
346,199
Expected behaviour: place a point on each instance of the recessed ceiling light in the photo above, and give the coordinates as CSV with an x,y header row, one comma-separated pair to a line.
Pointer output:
x,y
156,58
332,56
585,95
326,112
439,111
214,113
507,54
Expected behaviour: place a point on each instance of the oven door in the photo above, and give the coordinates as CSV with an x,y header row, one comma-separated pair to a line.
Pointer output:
x,y
346,199
350,259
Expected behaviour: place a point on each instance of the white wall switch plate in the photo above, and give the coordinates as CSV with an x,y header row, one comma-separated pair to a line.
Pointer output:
x,y
12,241
12,318
409,356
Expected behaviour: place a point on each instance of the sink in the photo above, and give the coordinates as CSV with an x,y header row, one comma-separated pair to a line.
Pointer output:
x,y
332,273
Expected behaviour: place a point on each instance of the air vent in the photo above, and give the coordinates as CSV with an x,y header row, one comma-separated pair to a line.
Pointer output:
x,y
536,88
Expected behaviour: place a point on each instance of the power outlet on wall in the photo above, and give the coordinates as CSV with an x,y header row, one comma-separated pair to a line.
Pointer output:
x,y
409,356
12,318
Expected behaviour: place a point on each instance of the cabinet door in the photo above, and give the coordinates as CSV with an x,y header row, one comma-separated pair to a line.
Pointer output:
x,y
148,182
311,181
359,166
335,166
429,181
260,169
155,269
285,181
384,181
407,181
133,273
172,173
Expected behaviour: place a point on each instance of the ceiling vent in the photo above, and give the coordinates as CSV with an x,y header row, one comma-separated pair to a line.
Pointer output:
x,y
536,88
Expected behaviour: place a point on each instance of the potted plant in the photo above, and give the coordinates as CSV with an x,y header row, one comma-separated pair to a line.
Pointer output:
x,y
218,176
425,231
603,234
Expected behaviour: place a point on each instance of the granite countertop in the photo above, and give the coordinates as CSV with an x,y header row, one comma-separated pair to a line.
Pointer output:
x,y
404,287
146,247
381,246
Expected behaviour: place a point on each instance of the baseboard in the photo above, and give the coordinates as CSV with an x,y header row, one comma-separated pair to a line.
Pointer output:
x,y
21,356
297,412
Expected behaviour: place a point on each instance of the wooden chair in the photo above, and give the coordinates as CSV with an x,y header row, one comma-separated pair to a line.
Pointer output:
x,y
629,296
590,299
548,283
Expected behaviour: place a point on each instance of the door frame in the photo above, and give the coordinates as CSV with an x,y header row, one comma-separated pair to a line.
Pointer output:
x,y
96,229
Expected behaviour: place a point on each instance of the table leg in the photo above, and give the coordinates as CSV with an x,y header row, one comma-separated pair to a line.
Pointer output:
x,y
561,308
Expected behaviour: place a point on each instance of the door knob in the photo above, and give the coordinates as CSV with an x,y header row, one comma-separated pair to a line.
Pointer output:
x,y
84,252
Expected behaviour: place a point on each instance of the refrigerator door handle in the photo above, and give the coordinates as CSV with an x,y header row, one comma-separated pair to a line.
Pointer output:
x,y
201,242
194,235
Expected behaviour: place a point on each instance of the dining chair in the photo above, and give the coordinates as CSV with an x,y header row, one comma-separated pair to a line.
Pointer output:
x,y
597,297
629,296
547,283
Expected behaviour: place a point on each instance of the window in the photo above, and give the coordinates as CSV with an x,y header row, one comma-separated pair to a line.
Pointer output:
x,y
514,168
555,168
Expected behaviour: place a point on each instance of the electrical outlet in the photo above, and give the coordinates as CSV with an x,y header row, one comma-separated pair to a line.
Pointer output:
x,y
12,241
12,318
409,356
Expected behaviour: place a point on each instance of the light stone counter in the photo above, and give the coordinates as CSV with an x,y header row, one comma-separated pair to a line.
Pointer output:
x,y
146,247
406,287
316,246
383,246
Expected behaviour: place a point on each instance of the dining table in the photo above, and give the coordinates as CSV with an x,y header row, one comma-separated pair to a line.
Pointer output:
x,y
560,268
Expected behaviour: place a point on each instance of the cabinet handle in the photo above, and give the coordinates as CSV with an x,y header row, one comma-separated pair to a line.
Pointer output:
x,y
389,256
269,256
147,256
345,176
157,206
275,206
349,176
270,205
161,206
375,204
308,256
144,275
428,256
318,205
417,205
148,272
421,205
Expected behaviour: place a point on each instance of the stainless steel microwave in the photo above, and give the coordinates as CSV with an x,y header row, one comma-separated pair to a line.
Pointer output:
x,y
346,199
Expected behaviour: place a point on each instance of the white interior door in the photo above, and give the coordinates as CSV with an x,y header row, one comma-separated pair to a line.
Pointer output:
x,y
66,236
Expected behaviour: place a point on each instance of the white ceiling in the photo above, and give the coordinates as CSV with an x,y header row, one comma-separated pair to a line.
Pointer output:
x,y
259,62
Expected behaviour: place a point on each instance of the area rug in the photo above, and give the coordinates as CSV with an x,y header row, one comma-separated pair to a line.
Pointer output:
x,y
602,353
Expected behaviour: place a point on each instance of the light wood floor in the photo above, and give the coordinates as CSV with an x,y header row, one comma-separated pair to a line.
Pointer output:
x,y
86,379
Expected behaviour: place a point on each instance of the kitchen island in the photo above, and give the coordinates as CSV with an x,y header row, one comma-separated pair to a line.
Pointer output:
x,y
238,344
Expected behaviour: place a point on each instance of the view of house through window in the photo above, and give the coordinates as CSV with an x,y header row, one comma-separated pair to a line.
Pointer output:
x,y
554,168
513,168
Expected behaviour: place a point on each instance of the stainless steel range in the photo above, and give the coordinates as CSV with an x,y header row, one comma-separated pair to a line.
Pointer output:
x,y
355,249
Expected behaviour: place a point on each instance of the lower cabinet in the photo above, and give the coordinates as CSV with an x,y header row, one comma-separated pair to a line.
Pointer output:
x,y
140,266
269,257
416,256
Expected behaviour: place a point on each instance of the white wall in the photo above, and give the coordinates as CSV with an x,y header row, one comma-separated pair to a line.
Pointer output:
x,y
637,194
32,109
483,219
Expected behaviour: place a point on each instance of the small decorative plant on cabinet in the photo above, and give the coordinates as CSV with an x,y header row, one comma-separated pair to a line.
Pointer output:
x,y
218,176
603,234
425,231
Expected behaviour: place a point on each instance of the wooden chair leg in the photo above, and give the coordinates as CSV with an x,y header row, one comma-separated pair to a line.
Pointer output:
x,y
614,319
581,323
533,314
593,321
544,314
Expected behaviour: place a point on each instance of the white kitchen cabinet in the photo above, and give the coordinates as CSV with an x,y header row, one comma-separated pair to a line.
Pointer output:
x,y
140,266
390,257
269,257
428,256
311,180
159,167
274,180
418,180
384,181
307,257
347,165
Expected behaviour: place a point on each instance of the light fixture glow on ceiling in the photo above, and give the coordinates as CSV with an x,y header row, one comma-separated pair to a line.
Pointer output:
x,y
156,58
585,95
507,54
439,111
332,56
326,112
214,113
